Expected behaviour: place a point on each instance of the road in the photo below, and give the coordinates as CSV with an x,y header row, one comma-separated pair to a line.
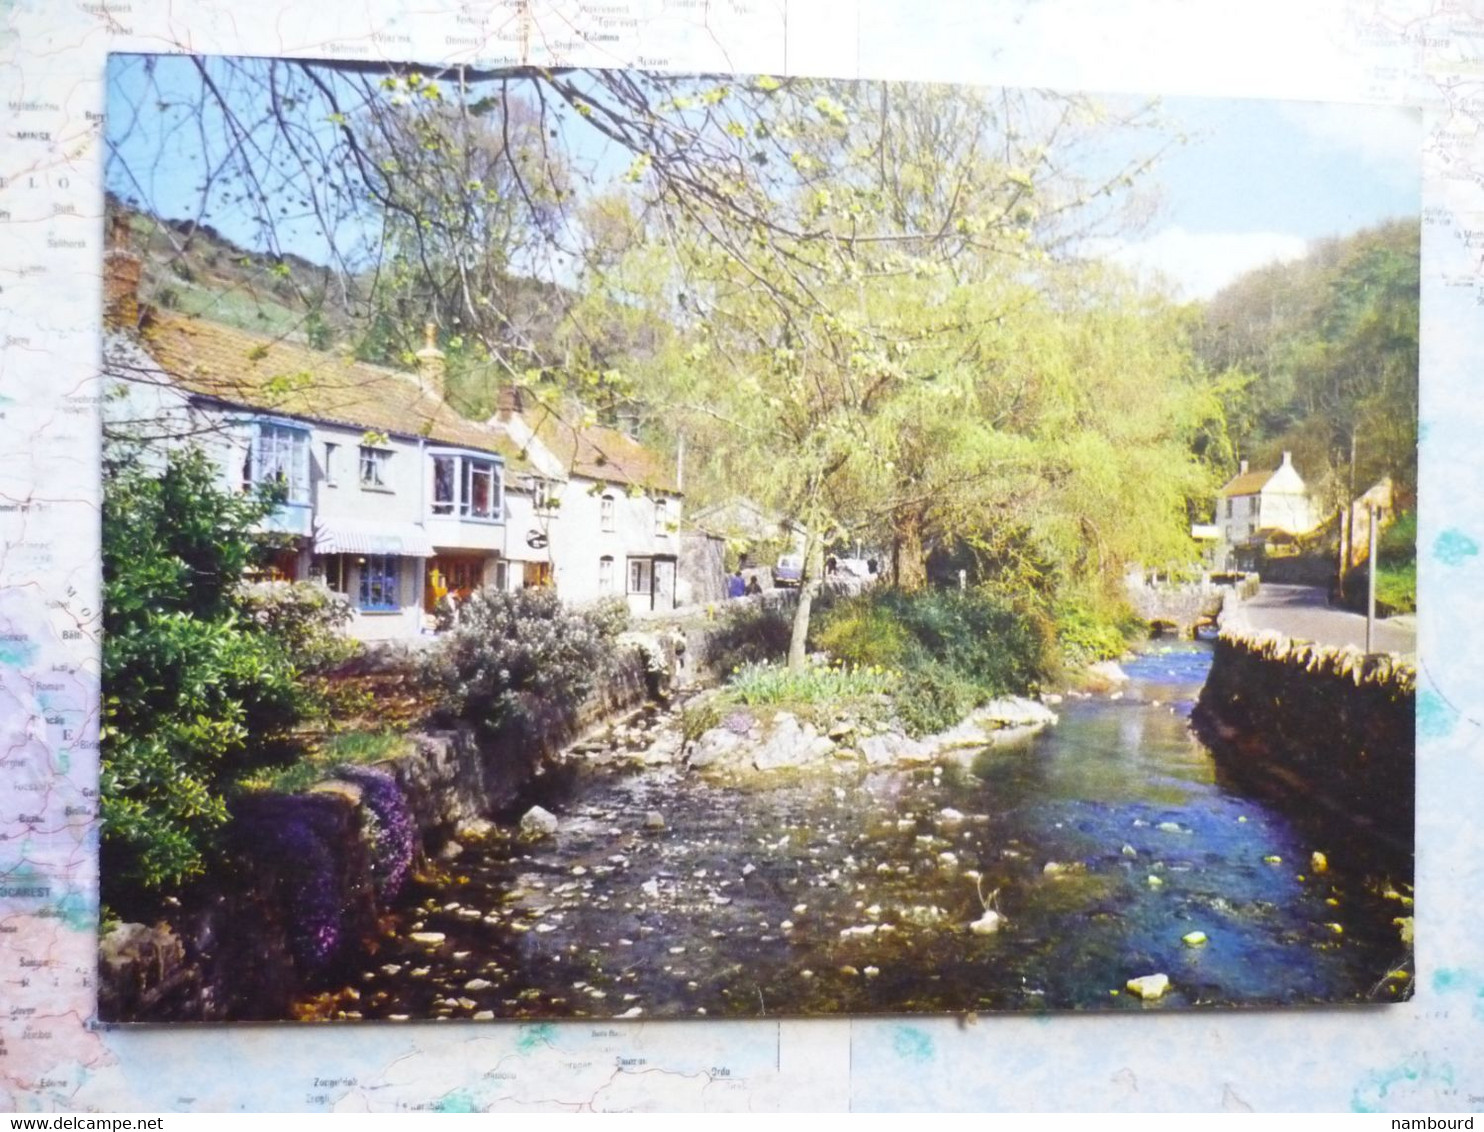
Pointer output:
x,y
1303,613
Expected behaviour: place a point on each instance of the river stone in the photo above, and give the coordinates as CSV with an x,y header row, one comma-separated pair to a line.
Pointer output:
x,y
475,829
450,850
654,821
791,744
538,822
430,939
1193,939
715,746
1149,986
987,924
894,747
1106,674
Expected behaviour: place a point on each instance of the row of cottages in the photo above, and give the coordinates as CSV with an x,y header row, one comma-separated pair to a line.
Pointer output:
x,y
393,498
1256,510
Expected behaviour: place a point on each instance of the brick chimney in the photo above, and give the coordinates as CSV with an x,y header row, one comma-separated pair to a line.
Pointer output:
x,y
432,365
121,273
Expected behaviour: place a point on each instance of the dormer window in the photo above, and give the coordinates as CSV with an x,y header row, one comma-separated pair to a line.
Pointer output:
x,y
466,486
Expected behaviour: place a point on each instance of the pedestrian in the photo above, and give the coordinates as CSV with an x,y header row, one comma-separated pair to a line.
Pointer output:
x,y
736,587
753,588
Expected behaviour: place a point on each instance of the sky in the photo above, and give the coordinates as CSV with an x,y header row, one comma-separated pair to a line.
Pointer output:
x,y
1259,180
1253,182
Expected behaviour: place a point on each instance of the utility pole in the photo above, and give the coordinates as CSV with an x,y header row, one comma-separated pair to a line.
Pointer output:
x,y
1370,601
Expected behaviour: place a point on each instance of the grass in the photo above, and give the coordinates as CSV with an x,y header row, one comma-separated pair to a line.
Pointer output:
x,y
769,684
355,748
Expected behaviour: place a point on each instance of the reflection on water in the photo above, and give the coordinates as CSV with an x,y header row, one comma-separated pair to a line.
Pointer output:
x,y
1101,842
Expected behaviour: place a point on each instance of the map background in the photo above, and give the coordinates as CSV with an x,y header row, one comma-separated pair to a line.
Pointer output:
x,y
1424,1055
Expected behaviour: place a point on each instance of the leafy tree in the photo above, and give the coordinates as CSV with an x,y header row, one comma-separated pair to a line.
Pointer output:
x,y
195,692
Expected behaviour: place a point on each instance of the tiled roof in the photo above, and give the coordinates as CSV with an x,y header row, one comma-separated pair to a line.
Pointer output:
x,y
600,453
250,370
1248,483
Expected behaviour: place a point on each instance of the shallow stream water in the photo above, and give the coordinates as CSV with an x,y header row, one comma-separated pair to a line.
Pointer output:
x,y
1102,842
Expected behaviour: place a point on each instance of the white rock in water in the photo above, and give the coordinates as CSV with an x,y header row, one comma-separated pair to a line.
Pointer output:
x,y
1149,986
1170,827
478,985
430,938
1193,939
651,888
538,822
987,924
1155,882
654,820
450,850
949,816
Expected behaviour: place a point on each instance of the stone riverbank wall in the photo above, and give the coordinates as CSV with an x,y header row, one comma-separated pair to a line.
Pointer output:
x,y
1328,732
313,872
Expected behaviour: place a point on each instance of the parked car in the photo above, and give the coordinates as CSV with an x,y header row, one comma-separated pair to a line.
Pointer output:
x,y
789,571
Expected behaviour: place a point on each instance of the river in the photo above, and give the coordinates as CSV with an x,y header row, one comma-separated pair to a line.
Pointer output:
x,y
1103,842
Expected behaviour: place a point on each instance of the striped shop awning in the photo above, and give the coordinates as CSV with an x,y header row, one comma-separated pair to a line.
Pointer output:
x,y
347,536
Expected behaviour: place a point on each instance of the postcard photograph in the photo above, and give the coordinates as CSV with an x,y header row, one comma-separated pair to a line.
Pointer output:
x,y
617,544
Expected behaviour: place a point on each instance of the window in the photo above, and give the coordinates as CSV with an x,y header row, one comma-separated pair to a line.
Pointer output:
x,y
607,512
378,590
467,486
279,454
640,574
661,519
502,575
543,494
332,454
374,468
1228,508
605,575
481,489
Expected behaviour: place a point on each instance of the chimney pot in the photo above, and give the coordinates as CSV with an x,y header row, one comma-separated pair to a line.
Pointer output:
x,y
1287,459
431,362
1242,468
508,402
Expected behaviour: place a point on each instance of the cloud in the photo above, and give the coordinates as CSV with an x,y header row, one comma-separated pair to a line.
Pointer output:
x,y
1387,138
1198,264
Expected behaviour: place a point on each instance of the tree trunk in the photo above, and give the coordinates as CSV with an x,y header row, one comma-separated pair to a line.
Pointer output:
x,y
798,642
910,558
798,654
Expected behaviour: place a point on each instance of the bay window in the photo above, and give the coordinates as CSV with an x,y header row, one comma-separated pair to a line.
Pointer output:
x,y
279,456
466,485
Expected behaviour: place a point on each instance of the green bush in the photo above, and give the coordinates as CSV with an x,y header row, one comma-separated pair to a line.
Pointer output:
x,y
933,698
1396,588
749,634
1084,634
758,684
517,657
857,631
980,639
197,691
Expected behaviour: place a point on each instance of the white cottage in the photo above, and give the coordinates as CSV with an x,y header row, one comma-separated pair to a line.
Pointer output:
x,y
392,497
1252,507
600,515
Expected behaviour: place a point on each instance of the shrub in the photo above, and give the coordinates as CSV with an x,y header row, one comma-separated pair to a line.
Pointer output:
x,y
1085,635
757,684
749,635
858,631
196,690
978,638
515,656
933,698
